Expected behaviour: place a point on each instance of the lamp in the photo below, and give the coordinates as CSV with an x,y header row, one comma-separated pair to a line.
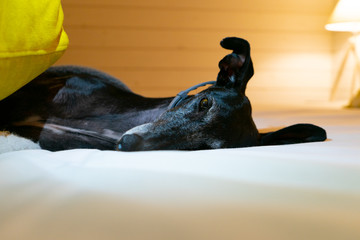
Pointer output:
x,y
346,18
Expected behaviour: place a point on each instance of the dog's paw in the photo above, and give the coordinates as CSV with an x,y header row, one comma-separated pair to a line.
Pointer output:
x,y
10,142
4,133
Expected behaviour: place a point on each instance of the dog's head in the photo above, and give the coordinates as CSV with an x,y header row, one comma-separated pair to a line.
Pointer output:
x,y
217,117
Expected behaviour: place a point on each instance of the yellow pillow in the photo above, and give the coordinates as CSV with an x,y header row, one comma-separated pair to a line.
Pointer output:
x,y
31,40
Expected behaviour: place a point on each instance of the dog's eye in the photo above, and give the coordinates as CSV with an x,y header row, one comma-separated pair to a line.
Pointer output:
x,y
204,104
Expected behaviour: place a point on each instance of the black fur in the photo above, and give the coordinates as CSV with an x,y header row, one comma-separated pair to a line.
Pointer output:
x,y
75,107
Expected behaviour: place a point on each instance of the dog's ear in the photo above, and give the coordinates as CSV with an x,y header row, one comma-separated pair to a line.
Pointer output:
x,y
236,69
298,133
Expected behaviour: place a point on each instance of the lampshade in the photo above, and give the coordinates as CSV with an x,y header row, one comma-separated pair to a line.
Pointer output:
x,y
345,17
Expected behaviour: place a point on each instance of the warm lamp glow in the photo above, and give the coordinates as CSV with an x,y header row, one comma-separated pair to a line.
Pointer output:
x,y
345,17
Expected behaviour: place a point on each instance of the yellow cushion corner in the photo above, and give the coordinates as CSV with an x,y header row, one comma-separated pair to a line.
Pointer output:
x,y
32,38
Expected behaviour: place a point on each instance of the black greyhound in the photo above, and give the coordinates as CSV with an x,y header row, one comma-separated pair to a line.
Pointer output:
x,y
75,107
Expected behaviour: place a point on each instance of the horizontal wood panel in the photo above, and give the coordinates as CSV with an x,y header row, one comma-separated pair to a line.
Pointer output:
x,y
289,61
190,19
130,39
288,96
314,6
196,60
167,83
176,79
156,60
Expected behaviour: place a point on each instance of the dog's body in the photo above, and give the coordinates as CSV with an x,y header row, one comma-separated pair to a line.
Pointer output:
x,y
75,107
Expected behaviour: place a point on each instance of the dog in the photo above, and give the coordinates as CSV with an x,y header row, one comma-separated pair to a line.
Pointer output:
x,y
71,107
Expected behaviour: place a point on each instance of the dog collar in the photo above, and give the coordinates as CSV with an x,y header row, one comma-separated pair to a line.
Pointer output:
x,y
183,94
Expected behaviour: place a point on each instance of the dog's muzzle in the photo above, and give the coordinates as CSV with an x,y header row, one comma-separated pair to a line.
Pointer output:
x,y
130,142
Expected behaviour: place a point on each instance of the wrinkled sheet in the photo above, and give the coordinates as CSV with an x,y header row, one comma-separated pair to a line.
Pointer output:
x,y
300,191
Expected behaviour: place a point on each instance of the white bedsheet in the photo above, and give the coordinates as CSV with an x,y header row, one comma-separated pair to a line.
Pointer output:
x,y
302,191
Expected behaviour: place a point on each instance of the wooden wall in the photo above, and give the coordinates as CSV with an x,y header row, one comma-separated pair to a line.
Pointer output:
x,y
160,47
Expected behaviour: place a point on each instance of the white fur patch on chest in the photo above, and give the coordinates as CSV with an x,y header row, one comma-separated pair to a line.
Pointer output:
x,y
10,142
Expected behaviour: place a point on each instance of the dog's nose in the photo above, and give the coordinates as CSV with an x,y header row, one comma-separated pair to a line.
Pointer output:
x,y
130,142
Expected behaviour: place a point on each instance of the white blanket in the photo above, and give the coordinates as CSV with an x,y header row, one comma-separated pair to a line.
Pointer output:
x,y
301,191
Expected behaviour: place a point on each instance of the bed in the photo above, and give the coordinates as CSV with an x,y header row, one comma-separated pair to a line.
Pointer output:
x,y
300,191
